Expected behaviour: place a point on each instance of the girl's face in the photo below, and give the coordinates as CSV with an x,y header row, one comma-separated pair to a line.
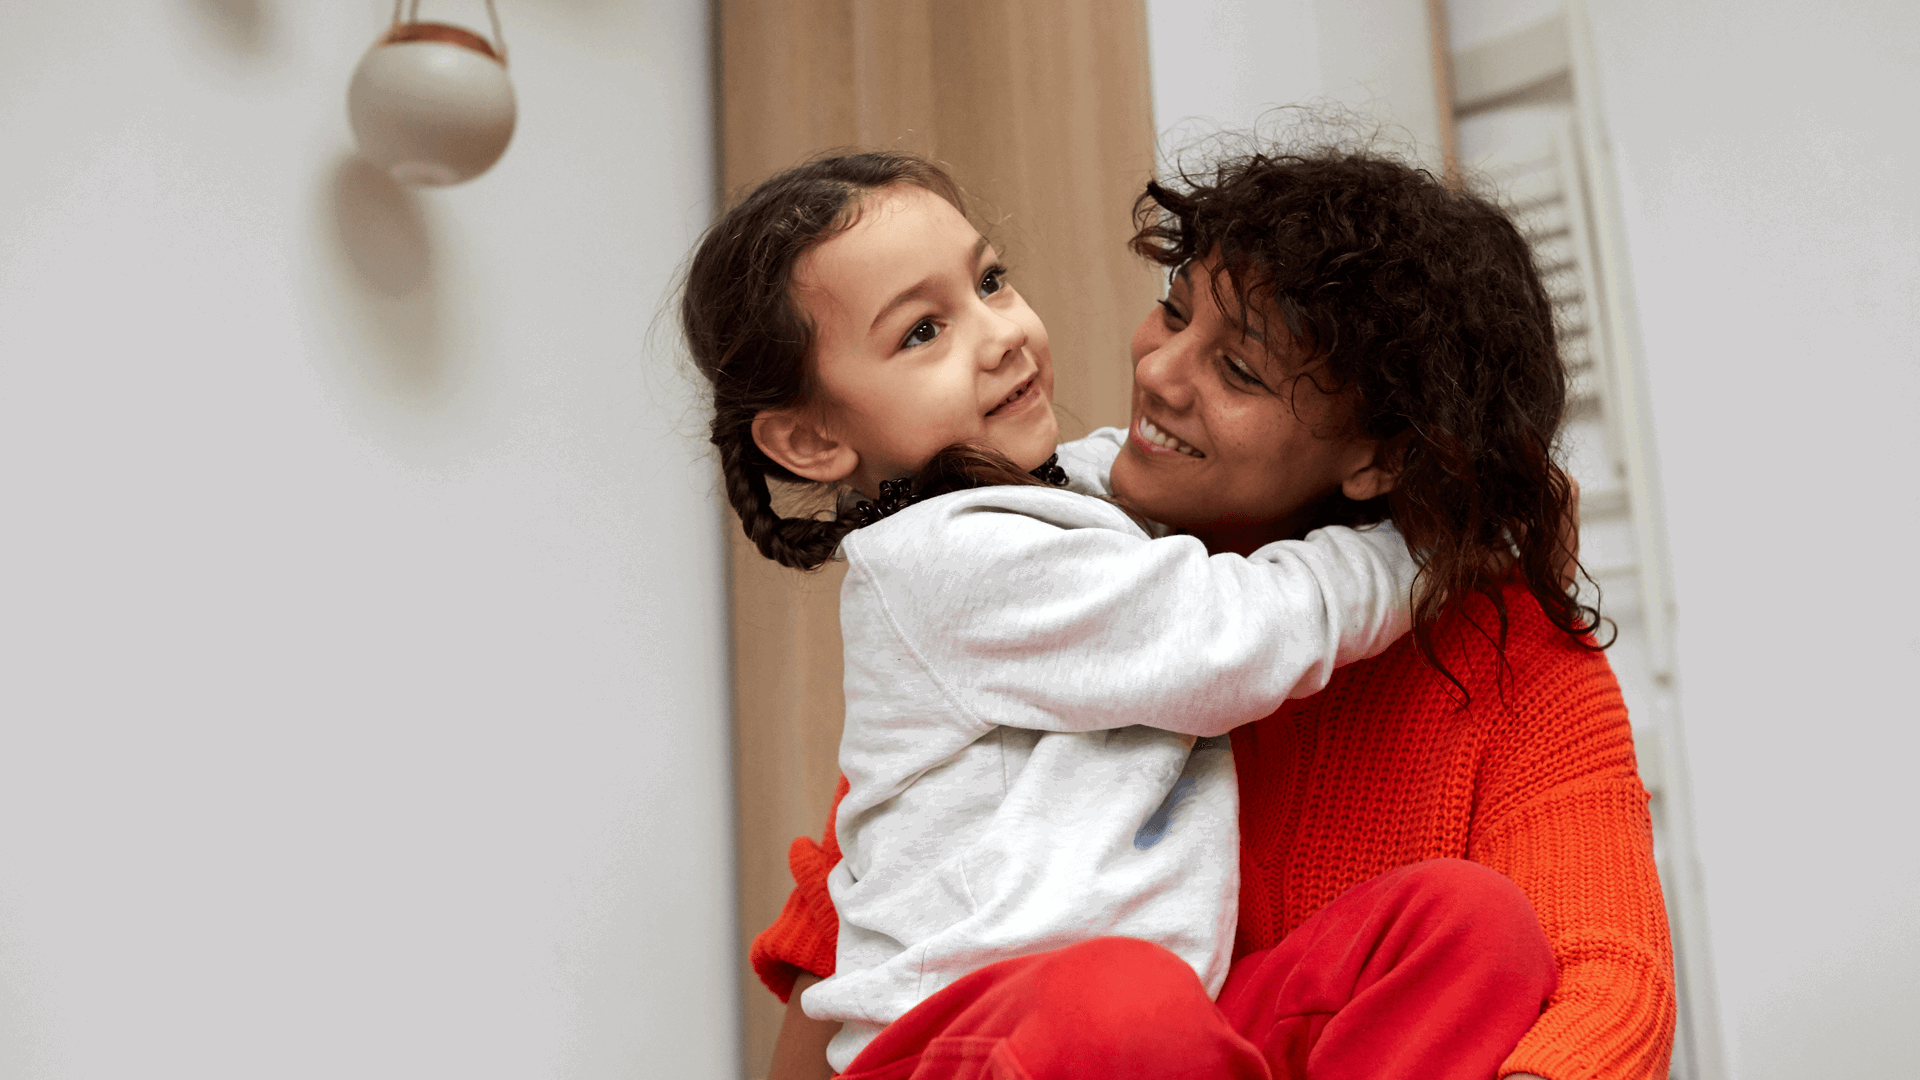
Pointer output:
x,y
1227,443
921,343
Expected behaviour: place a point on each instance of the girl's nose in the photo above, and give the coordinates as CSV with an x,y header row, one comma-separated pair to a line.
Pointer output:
x,y
1005,337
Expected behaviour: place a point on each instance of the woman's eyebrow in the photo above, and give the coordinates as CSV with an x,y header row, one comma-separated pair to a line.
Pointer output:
x,y
921,289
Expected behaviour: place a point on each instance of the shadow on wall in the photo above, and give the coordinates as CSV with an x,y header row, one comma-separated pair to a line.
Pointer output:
x,y
386,245
241,24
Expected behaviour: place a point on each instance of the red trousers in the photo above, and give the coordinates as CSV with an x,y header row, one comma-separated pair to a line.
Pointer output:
x,y
1432,971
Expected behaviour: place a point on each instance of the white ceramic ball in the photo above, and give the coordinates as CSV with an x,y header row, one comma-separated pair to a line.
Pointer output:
x,y
431,112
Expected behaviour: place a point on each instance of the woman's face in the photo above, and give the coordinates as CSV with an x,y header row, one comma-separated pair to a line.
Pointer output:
x,y
1228,441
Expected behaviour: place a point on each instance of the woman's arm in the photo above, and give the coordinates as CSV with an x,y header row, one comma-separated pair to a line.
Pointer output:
x,y
1563,814
801,1052
798,951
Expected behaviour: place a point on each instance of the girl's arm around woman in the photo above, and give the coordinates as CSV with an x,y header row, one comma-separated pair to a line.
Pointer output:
x,y
1051,611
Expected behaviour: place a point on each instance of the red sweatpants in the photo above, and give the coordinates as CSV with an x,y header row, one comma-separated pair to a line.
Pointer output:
x,y
1431,971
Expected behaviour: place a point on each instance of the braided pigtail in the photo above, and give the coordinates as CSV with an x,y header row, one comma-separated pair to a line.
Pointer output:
x,y
801,543
749,339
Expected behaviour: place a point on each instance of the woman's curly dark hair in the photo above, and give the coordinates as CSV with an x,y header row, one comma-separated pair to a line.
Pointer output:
x,y
1421,305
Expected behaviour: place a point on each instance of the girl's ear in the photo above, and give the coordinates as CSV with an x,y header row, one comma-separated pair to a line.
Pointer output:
x,y
1374,468
798,443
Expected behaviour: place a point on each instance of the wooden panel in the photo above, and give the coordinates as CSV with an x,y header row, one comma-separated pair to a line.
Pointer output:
x,y
1496,72
1042,113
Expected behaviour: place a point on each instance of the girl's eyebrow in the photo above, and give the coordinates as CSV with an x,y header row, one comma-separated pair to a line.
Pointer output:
x,y
919,290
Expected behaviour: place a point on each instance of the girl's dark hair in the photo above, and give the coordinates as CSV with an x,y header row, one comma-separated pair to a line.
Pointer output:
x,y
1420,305
752,342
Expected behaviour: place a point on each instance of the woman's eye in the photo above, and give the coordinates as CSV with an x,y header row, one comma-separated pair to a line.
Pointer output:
x,y
922,332
1242,372
993,281
1172,314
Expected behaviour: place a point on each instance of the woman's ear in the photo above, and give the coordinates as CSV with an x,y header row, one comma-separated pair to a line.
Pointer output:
x,y
1375,468
799,444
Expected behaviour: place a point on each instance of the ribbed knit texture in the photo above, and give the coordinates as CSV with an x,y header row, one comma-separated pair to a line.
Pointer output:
x,y
1535,778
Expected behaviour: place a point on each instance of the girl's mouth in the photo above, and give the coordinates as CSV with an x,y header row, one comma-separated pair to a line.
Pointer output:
x,y
1020,393
1144,431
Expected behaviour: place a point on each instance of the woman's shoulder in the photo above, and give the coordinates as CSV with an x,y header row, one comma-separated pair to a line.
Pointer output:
x,y
1513,675
1549,705
1512,644
1543,711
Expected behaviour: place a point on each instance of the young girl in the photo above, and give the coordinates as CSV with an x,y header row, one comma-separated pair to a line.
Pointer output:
x,y
1035,685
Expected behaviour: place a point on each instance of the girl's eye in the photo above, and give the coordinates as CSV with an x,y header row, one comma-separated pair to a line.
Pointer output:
x,y
993,281
1172,314
922,332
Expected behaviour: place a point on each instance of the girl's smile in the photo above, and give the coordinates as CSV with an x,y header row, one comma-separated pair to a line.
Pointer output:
x,y
1022,398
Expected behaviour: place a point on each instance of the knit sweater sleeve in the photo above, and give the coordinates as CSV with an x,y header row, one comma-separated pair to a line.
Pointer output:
x,y
1565,816
804,937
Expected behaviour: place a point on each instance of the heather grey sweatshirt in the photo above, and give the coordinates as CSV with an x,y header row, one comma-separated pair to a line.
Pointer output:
x,y
1037,693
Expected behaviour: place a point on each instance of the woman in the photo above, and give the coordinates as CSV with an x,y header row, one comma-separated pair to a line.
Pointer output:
x,y
1328,311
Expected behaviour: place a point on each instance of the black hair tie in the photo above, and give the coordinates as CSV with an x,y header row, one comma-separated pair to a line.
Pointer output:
x,y
897,495
1050,472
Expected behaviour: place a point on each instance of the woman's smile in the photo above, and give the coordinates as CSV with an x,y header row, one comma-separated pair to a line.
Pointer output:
x,y
1154,440
1224,429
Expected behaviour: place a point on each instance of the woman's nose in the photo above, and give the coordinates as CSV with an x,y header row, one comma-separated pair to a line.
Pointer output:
x,y
1166,372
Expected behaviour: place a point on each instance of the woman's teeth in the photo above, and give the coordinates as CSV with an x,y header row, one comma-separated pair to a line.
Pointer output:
x,y
1160,438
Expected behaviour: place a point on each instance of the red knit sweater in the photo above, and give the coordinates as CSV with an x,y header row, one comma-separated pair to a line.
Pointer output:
x,y
1534,778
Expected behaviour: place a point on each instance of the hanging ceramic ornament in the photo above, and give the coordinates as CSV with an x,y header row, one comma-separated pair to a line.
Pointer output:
x,y
431,103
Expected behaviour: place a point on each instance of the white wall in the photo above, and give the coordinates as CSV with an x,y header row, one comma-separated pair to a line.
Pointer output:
x,y
1225,64
362,627
1768,161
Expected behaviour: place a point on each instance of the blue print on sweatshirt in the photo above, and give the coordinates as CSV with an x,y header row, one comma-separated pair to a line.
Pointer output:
x,y
1154,829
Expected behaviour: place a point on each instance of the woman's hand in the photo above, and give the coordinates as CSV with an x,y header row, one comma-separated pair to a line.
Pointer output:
x,y
801,1051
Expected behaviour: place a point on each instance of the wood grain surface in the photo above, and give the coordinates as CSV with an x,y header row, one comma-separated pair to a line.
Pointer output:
x,y
1043,114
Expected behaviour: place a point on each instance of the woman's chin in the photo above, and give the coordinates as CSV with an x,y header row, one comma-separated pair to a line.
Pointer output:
x,y
1137,484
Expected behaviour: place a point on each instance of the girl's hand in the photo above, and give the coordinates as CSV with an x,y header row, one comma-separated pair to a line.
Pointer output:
x,y
801,1051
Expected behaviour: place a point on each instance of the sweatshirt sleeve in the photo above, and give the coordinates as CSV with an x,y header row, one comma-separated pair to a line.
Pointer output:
x,y
1567,821
1051,611
805,936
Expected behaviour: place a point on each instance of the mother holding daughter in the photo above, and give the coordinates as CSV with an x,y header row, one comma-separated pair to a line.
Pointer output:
x,y
1444,862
